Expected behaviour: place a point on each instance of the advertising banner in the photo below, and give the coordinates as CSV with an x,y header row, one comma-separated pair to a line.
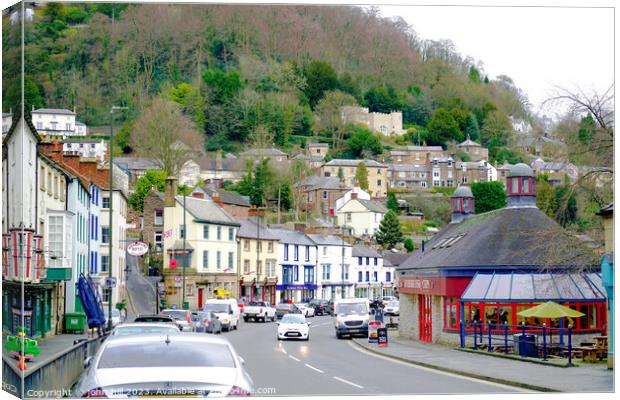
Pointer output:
x,y
372,331
382,337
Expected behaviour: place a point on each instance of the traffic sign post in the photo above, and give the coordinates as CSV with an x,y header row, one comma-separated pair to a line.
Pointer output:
x,y
110,282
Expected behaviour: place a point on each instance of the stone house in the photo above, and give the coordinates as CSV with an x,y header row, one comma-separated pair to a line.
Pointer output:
x,y
441,172
377,174
317,149
319,194
474,150
416,154
471,171
387,124
407,176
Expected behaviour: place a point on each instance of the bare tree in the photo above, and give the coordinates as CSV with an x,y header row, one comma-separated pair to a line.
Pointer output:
x,y
329,111
164,133
261,137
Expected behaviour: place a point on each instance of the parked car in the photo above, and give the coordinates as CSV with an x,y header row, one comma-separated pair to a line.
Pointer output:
x,y
206,321
387,299
190,364
157,318
322,307
259,311
286,308
392,308
305,309
294,326
183,318
227,311
116,316
137,328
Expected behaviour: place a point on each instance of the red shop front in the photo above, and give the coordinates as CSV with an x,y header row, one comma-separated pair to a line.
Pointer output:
x,y
425,287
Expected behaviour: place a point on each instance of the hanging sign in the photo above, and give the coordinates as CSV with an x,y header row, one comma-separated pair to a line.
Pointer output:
x,y
137,248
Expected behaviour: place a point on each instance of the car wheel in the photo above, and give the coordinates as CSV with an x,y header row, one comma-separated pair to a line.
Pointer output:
x,y
278,337
338,335
308,338
273,318
245,319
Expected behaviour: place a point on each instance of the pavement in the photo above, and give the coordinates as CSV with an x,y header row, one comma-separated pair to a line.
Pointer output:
x,y
325,366
585,378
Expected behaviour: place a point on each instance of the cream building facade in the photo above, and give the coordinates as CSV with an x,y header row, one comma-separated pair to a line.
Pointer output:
x,y
377,174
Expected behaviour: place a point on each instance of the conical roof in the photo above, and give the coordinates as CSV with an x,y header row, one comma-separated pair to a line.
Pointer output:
x,y
521,170
462,191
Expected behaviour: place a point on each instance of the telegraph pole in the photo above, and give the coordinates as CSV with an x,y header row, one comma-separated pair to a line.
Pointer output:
x,y
185,252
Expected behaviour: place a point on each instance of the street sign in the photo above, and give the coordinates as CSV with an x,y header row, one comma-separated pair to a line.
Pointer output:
x,y
373,326
110,282
137,248
173,264
382,337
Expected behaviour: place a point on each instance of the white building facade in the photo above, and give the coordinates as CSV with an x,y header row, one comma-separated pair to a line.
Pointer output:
x,y
335,279
296,266
370,276
117,261
57,123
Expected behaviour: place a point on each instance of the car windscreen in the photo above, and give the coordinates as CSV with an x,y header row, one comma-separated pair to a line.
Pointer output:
x,y
135,330
283,307
155,318
217,307
352,308
161,354
293,319
201,316
393,303
257,303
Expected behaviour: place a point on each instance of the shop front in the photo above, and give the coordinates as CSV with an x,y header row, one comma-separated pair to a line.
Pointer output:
x,y
336,290
296,293
37,310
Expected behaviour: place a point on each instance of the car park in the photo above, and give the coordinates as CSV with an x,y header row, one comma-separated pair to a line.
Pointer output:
x,y
182,317
206,321
305,309
293,326
259,311
286,308
137,328
227,311
170,365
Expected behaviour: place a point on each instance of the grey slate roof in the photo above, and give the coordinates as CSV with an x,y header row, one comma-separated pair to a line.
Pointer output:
x,y
462,191
339,162
53,111
291,236
206,210
229,197
373,206
521,170
407,167
272,151
314,144
327,240
136,163
364,251
429,148
394,258
321,182
228,164
468,143
248,230
506,237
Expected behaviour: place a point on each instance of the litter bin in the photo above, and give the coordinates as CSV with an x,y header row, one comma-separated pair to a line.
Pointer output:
x,y
527,346
75,322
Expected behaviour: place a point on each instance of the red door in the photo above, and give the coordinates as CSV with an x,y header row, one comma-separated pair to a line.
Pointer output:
x,y
200,298
425,308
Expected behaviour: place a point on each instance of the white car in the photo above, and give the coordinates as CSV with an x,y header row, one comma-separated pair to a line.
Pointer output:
x,y
137,328
392,308
305,309
259,311
226,310
293,326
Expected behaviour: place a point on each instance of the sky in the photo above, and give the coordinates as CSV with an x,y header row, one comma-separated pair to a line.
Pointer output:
x,y
538,47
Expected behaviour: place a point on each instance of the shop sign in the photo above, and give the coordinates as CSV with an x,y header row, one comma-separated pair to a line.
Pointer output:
x,y
137,249
437,285
382,337
373,326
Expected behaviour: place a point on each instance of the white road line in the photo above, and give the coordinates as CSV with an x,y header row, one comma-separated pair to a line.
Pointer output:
x,y
311,367
294,358
283,351
435,371
349,383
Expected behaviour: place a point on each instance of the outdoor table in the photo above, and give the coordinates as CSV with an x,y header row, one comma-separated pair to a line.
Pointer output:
x,y
601,341
589,353
586,344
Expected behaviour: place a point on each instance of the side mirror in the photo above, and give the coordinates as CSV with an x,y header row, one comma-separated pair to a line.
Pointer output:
x,y
309,323
278,323
87,361
230,312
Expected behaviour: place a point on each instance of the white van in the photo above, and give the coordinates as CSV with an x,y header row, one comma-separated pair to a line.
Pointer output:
x,y
351,317
227,312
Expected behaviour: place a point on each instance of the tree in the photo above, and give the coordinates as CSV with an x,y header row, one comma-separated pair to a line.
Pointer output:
x,y
340,174
392,202
329,113
474,74
361,175
262,177
545,195
587,129
382,99
320,78
408,243
363,142
164,134
389,232
566,205
191,101
152,178
260,137
442,127
472,130
223,86
286,197
488,196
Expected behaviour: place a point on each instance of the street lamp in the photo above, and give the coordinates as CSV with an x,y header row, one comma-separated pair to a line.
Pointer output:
x,y
110,201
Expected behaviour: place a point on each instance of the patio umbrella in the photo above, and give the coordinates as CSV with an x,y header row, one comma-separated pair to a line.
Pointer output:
x,y
550,309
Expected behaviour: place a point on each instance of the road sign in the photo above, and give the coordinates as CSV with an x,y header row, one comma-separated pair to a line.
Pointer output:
x,y
137,248
110,282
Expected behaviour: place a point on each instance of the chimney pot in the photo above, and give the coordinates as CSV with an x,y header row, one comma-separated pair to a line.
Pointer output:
x,y
353,195
300,227
171,192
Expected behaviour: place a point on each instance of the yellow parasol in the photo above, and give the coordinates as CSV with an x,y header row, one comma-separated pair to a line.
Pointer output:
x,y
550,309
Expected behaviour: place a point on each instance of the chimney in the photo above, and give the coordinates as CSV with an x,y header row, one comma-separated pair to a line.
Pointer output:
x,y
217,199
218,161
171,192
198,195
353,195
300,227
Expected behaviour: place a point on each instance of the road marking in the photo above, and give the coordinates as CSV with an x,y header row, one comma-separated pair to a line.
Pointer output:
x,y
283,351
436,371
311,367
294,358
349,383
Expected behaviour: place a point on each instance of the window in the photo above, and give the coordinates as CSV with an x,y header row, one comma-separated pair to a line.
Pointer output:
x,y
359,276
359,261
55,240
379,182
307,253
286,251
324,250
296,273
376,261
105,295
296,252
246,266
259,267
287,274
270,247
514,185
105,234
246,245
231,234
345,273
219,233
367,276
105,202
326,271
231,260
526,185
181,231
308,275
449,173
388,276
348,216
205,232
436,173
68,126
159,217
324,194
205,259
375,276
105,263
159,241
260,246
219,261
39,125
367,260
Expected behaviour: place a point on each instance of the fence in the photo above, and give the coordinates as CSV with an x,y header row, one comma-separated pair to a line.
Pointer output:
x,y
51,378
502,338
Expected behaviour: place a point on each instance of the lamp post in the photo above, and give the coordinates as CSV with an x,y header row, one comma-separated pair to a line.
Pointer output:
x,y
110,201
185,252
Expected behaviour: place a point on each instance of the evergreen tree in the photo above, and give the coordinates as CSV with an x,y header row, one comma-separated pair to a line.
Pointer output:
x,y
389,233
361,175
545,195
286,197
488,195
566,205
409,245
260,182
392,203
472,130
340,174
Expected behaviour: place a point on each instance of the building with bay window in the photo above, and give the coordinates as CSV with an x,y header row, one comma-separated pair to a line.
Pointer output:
x,y
369,273
488,267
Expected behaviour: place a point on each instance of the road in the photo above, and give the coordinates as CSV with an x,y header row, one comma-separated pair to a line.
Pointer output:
x,y
140,290
327,366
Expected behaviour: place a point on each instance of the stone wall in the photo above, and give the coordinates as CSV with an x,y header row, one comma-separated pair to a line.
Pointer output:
x,y
151,202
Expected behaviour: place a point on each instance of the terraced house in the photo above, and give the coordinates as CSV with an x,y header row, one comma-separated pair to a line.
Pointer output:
x,y
377,174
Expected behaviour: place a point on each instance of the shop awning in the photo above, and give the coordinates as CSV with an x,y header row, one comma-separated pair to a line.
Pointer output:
x,y
526,287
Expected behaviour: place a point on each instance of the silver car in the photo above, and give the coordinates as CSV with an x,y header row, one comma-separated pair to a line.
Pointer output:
x,y
182,317
180,365
137,328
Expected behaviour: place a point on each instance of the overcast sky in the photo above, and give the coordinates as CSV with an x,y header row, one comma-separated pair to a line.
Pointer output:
x,y
538,47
